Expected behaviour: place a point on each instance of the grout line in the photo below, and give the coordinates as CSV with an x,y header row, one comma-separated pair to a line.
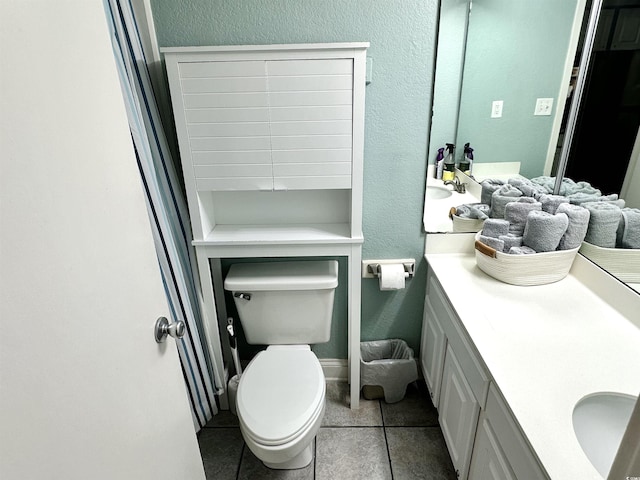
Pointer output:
x,y
315,456
244,445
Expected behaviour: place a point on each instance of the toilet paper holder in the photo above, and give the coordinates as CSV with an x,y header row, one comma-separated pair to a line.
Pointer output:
x,y
371,268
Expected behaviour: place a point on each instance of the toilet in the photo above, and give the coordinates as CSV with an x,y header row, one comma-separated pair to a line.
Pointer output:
x,y
281,395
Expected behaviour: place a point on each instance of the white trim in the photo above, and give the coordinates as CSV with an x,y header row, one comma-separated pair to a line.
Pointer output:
x,y
335,369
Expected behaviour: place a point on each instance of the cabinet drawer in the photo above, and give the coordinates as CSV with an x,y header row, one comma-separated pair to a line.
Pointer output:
x,y
457,339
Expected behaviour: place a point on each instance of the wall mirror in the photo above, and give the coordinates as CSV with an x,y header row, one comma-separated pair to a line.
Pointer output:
x,y
516,52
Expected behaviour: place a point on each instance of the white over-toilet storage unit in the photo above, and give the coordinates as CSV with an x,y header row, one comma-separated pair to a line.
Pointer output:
x,y
271,142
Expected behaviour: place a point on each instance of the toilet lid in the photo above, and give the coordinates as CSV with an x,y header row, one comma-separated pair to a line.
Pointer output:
x,y
280,392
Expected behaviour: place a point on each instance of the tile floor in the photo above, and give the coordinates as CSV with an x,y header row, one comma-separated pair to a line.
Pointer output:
x,y
379,441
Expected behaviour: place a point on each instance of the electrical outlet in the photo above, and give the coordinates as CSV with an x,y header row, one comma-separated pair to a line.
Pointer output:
x,y
496,108
543,106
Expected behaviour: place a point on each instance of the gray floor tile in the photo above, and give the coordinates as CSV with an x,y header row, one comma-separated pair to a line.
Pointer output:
x,y
224,418
352,453
252,468
221,450
414,410
339,414
419,453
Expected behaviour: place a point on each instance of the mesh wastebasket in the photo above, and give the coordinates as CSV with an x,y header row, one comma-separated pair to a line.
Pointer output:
x,y
386,368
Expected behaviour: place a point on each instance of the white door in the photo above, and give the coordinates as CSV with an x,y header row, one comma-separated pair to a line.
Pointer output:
x,y
85,391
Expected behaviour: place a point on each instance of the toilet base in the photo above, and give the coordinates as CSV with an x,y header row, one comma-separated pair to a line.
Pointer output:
x,y
299,461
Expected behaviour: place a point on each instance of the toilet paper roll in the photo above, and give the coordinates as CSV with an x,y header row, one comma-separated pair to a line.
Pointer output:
x,y
392,277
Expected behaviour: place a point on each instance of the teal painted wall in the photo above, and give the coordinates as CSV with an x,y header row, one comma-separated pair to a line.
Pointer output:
x,y
402,37
516,52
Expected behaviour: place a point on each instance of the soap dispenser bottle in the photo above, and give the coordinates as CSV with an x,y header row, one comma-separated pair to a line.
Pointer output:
x,y
449,164
466,163
439,164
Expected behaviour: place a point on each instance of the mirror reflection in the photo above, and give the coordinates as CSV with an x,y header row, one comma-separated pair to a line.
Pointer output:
x,y
513,58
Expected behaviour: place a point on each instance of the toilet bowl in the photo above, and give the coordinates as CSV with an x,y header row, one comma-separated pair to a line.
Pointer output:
x,y
280,405
281,395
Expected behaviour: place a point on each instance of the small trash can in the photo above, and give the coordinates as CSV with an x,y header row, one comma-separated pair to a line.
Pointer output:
x,y
386,368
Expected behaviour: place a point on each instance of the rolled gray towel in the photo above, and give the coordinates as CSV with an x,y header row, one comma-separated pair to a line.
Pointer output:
x,y
549,184
580,197
583,187
543,230
499,199
550,203
578,225
527,187
523,250
492,242
510,240
479,211
620,203
516,213
489,186
494,227
546,182
628,234
603,223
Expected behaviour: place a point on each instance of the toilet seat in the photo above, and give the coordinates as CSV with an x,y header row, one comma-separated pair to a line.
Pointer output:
x,y
281,393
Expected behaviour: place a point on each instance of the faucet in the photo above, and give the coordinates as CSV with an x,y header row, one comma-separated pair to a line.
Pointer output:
x,y
457,185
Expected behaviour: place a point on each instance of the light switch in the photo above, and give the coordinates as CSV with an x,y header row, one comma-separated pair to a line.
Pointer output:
x,y
543,106
496,109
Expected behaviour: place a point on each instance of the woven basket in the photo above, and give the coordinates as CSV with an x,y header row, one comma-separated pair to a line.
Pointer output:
x,y
533,269
623,263
461,224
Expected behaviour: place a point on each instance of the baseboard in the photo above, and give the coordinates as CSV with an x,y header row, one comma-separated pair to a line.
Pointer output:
x,y
335,369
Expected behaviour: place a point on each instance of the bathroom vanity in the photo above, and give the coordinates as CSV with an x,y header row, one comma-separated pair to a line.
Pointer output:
x,y
506,365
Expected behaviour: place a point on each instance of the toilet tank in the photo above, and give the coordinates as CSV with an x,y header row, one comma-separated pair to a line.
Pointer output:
x,y
284,303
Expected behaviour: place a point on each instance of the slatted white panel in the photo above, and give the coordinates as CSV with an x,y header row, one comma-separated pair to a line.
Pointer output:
x,y
238,157
227,117
311,128
230,143
333,66
309,113
311,156
211,115
288,119
327,127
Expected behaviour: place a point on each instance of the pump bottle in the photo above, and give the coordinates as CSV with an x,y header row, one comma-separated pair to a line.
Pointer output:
x,y
449,168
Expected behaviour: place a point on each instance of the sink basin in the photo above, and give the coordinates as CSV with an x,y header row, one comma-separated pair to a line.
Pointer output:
x,y
599,422
438,193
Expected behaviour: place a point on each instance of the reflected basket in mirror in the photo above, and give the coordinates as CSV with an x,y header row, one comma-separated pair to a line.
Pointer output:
x,y
623,263
461,224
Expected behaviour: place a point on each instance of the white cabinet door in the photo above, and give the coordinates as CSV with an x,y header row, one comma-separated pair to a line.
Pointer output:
x,y
458,409
488,461
432,352
86,391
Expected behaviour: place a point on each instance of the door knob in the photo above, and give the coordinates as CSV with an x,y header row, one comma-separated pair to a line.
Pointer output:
x,y
164,328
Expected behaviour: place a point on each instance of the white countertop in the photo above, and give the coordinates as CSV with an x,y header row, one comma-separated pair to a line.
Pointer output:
x,y
548,346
